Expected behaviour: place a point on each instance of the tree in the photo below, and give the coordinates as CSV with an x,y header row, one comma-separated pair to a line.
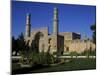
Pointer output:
x,y
93,28
19,44
13,43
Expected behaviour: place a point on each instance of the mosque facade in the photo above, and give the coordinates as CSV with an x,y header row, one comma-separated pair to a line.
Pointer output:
x,y
57,42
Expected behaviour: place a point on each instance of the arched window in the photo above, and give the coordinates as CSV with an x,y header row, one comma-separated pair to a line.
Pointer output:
x,y
49,40
67,49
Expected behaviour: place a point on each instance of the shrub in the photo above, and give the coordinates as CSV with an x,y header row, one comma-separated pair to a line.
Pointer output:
x,y
34,58
89,52
74,54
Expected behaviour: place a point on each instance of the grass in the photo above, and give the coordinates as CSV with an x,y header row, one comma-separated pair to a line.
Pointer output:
x,y
15,66
74,64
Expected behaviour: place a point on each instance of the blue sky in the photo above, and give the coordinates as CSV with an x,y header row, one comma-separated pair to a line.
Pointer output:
x,y
72,18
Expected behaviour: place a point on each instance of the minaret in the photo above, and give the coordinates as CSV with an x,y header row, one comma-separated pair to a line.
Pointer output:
x,y
55,31
28,25
55,22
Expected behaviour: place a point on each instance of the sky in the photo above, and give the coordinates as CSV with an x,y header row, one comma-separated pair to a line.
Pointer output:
x,y
72,18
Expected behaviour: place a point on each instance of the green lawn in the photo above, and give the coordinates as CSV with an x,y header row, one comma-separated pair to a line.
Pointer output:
x,y
74,64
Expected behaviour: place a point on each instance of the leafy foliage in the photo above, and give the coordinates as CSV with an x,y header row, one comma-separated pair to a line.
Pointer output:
x,y
89,52
93,28
74,53
85,53
34,58
19,44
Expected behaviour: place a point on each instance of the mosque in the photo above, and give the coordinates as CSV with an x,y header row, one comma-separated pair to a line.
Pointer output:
x,y
57,42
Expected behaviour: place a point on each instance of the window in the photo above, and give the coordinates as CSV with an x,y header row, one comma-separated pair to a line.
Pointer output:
x,y
67,48
49,40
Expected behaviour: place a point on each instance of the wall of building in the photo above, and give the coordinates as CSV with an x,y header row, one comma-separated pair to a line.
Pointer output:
x,y
53,46
56,44
70,35
78,46
76,36
60,44
42,36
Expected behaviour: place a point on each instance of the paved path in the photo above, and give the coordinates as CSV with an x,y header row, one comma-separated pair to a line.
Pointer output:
x,y
77,57
19,57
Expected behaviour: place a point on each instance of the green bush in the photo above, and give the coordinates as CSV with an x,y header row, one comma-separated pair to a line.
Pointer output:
x,y
73,54
34,58
88,52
